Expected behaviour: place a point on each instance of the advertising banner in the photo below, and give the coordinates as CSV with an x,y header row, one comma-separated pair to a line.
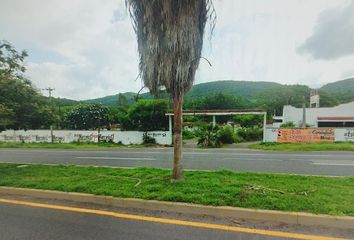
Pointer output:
x,y
303,135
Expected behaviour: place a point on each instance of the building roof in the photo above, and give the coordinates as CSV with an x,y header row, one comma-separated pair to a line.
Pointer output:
x,y
221,112
336,118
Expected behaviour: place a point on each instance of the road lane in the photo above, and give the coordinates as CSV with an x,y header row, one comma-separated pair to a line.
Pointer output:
x,y
33,220
23,222
315,163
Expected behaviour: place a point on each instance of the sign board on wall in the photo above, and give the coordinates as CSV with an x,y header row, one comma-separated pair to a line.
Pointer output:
x,y
294,135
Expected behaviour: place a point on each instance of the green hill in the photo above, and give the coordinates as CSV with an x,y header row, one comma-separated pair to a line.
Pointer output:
x,y
342,90
243,89
112,100
267,95
64,101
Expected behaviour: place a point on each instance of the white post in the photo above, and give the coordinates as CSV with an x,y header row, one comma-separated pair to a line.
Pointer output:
x,y
170,123
214,121
264,126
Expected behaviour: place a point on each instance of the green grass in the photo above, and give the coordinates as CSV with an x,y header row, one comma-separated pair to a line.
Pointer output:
x,y
76,145
327,195
336,146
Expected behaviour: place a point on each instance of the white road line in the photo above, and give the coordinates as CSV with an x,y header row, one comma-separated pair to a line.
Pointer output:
x,y
120,158
334,164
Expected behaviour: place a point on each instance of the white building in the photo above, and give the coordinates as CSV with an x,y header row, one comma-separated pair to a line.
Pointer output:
x,y
340,116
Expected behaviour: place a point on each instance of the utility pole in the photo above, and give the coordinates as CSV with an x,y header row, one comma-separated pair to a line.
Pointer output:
x,y
50,90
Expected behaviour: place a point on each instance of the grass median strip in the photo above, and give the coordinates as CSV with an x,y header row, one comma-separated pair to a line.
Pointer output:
x,y
326,195
336,146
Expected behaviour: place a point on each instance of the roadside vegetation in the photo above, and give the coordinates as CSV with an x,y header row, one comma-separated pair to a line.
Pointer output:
x,y
336,146
325,195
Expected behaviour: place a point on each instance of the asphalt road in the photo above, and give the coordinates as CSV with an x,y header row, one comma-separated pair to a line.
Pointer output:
x,y
315,163
30,223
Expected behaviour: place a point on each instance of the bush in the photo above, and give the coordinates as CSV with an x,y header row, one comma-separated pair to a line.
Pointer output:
x,y
288,125
187,134
227,135
250,134
238,139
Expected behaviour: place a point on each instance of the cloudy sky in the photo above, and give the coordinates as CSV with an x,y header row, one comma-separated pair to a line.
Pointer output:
x,y
87,48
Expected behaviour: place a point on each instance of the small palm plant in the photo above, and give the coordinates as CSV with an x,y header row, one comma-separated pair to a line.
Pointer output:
x,y
209,136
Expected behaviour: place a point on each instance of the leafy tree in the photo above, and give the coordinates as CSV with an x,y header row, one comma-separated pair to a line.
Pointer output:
x,y
327,100
249,120
123,103
6,116
218,101
146,115
11,61
23,107
89,116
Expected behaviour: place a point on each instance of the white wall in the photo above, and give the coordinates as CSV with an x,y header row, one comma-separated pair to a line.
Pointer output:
x,y
344,134
271,134
293,114
67,136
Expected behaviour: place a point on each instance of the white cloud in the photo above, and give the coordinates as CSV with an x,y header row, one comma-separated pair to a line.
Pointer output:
x,y
253,40
333,36
99,49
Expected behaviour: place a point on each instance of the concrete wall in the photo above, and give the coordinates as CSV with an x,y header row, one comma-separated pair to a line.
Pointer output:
x,y
341,134
293,114
67,136
271,134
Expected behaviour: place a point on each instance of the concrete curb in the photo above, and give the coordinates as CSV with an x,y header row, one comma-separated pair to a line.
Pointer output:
x,y
232,212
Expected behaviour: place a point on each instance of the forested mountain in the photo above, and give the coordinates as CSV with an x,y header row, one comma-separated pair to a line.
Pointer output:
x,y
63,101
268,95
243,89
342,90
113,100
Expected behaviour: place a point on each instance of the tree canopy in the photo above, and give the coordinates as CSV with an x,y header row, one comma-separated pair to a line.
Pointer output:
x,y
88,116
146,115
22,106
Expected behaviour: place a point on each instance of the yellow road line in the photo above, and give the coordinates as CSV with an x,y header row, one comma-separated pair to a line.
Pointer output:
x,y
171,221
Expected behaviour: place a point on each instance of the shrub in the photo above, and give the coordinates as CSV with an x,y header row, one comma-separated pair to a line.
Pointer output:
x,y
238,138
250,134
288,125
187,134
227,135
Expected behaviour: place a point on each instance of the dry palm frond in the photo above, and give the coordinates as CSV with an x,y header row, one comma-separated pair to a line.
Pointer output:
x,y
170,39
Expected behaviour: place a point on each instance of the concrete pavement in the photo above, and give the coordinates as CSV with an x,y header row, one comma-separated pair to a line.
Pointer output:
x,y
314,163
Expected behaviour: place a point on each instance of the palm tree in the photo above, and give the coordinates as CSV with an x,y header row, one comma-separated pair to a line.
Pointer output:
x,y
170,39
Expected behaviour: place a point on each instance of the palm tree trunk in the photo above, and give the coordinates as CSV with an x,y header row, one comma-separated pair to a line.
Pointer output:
x,y
177,174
